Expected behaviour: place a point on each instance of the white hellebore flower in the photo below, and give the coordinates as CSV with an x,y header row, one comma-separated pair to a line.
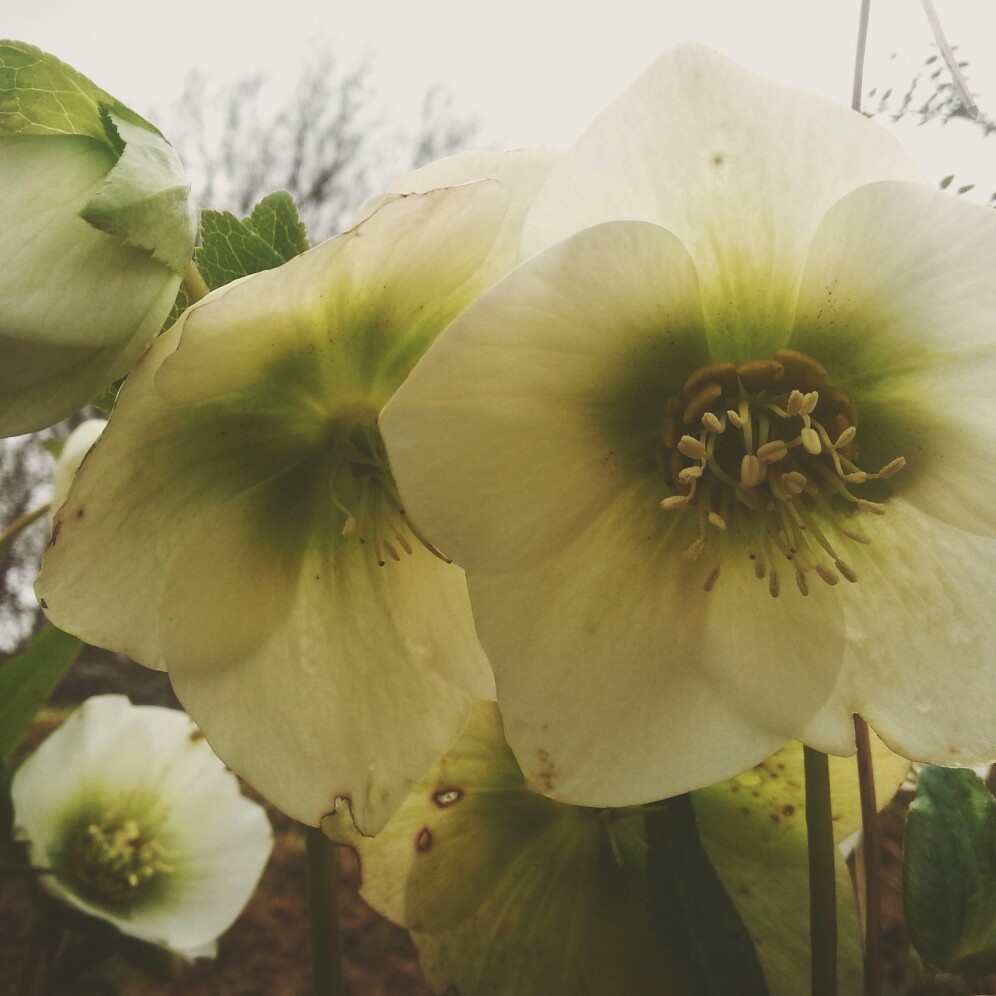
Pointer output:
x,y
96,227
141,824
719,459
238,524
79,443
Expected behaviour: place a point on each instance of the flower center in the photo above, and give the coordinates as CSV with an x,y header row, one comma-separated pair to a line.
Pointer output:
x,y
116,861
767,449
363,489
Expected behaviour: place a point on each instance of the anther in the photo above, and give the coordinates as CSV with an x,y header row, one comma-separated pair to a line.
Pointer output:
x,y
892,467
875,507
801,583
691,447
689,474
794,403
827,575
712,423
846,570
693,549
773,451
751,471
674,501
735,419
811,441
809,403
846,437
794,482
856,477
774,585
350,527
715,519
710,581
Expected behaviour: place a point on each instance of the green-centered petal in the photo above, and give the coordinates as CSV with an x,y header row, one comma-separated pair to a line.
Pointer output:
x,y
898,301
506,892
611,659
919,643
739,168
543,399
229,525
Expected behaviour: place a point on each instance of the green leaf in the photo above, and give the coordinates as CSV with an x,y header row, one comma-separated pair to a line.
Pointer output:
x,y
40,95
27,680
54,447
949,871
231,249
145,199
276,221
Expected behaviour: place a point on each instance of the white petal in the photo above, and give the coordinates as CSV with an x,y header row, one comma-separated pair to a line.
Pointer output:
x,y
542,401
918,664
79,443
739,168
622,681
899,303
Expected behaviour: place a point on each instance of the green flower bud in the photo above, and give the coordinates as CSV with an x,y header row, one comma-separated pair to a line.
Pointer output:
x,y
97,228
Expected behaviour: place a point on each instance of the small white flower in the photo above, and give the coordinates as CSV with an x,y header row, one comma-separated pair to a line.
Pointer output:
x,y
141,824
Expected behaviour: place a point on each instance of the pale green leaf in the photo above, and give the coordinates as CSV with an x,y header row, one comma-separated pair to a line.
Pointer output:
x,y
40,95
231,249
145,199
276,221
27,680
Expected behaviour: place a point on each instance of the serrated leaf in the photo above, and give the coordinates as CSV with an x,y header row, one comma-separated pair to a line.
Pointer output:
x,y
145,199
27,680
276,221
40,95
949,871
231,249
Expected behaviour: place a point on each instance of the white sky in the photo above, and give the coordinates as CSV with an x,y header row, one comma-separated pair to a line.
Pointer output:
x,y
533,71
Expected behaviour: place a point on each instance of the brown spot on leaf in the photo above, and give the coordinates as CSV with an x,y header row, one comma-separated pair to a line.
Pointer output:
x,y
774,817
788,810
424,840
547,773
718,159
43,603
80,512
447,797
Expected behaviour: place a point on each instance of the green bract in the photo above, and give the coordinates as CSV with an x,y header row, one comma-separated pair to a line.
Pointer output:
x,y
700,456
97,227
506,892
238,523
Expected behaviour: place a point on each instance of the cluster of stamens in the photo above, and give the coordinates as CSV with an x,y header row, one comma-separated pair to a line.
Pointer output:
x,y
364,491
116,862
767,448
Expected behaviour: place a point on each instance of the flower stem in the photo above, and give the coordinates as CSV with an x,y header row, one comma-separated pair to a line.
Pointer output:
x,y
871,846
18,526
193,284
323,885
822,875
971,108
859,57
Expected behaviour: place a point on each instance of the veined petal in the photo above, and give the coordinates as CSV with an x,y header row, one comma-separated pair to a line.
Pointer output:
x,y
739,168
549,388
919,643
611,658
899,301
355,313
242,486
362,684
522,171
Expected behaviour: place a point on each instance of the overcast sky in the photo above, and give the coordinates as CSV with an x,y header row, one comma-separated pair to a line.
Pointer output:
x,y
534,72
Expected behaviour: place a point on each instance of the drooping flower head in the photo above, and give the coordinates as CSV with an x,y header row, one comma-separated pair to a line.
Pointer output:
x,y
238,523
701,456
97,227
140,824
